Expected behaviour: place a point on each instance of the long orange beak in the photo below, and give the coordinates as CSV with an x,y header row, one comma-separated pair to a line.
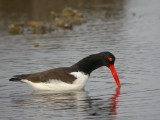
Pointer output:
x,y
114,73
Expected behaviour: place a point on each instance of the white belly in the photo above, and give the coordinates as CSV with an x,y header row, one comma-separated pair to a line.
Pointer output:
x,y
58,85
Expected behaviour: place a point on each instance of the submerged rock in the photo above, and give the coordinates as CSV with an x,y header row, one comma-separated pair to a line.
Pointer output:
x,y
66,19
15,29
59,22
36,44
67,12
68,26
37,28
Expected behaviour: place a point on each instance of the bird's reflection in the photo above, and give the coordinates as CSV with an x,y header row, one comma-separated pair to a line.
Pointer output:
x,y
115,101
77,101
104,108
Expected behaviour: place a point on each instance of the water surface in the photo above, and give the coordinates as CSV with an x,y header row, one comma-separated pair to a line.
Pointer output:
x,y
131,33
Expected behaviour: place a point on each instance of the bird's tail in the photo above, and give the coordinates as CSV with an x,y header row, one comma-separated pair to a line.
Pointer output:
x,y
19,77
15,79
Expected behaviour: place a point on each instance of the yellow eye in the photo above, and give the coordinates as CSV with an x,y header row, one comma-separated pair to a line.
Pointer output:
x,y
110,59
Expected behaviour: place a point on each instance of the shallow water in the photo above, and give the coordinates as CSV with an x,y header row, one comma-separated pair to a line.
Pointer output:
x,y
131,33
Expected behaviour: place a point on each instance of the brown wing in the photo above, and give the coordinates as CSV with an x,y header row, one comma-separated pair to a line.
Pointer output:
x,y
62,74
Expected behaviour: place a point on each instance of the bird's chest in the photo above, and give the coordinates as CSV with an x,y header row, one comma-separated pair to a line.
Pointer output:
x,y
81,79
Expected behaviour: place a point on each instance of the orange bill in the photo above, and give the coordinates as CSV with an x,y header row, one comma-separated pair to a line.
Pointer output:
x,y
114,73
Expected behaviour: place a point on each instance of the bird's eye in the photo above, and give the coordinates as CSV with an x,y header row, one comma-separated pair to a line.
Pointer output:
x,y
110,59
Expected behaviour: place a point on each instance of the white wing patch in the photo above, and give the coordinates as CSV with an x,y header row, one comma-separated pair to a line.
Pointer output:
x,y
81,79
58,85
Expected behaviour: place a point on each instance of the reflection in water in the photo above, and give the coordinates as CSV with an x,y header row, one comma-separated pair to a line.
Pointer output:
x,y
77,101
115,100
104,108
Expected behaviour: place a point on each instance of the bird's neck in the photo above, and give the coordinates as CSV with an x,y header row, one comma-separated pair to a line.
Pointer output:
x,y
89,64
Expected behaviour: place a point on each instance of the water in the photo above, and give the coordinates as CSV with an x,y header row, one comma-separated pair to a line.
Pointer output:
x,y
131,33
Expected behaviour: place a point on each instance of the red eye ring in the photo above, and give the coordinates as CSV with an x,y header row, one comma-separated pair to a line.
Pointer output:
x,y
110,59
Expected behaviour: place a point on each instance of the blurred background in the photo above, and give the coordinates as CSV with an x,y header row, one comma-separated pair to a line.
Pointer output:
x,y
42,11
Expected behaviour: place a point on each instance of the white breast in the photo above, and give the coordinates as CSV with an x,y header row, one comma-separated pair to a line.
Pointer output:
x,y
58,85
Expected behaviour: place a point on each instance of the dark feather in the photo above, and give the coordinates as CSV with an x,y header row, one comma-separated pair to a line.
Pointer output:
x,y
19,77
62,74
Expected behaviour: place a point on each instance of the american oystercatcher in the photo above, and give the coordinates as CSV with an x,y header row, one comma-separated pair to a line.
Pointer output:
x,y
69,78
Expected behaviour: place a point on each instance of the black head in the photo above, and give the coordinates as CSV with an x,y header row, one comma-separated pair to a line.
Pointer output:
x,y
107,58
94,61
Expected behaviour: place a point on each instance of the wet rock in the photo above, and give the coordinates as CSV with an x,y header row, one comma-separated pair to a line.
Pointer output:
x,y
15,29
36,44
67,12
79,15
59,22
68,26
37,28
66,19
75,11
